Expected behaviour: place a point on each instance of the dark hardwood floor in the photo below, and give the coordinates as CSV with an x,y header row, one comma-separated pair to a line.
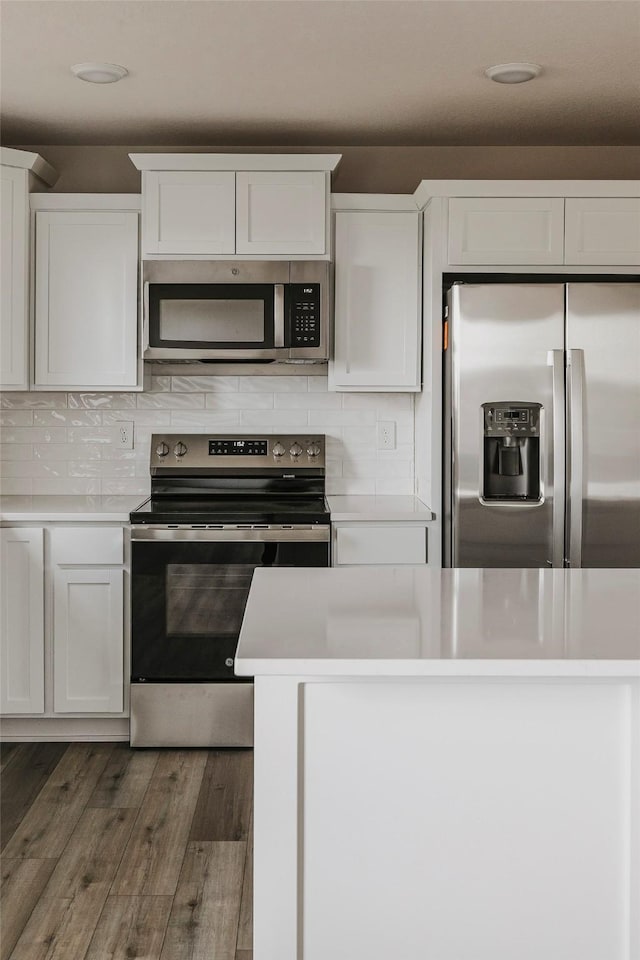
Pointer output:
x,y
110,853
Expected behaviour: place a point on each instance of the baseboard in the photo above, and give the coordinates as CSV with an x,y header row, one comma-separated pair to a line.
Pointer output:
x,y
51,729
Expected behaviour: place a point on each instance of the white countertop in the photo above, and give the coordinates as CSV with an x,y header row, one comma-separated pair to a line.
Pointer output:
x,y
56,509
395,621
53,509
383,507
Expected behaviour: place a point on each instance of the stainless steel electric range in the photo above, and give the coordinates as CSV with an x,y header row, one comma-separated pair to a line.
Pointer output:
x,y
220,506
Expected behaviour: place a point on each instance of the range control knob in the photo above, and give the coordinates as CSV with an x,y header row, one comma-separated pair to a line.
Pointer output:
x,y
162,449
295,450
180,449
313,450
278,449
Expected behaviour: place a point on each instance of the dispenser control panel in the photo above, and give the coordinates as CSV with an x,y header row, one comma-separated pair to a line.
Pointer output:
x,y
511,420
510,470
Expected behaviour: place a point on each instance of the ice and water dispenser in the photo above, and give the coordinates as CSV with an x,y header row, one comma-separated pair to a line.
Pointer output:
x,y
511,451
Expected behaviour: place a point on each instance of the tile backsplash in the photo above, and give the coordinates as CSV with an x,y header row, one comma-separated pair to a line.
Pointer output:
x,y
67,443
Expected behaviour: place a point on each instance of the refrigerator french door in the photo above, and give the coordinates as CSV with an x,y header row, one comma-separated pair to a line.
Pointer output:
x,y
542,425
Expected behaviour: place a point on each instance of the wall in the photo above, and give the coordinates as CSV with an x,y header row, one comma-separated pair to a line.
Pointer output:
x,y
362,169
65,443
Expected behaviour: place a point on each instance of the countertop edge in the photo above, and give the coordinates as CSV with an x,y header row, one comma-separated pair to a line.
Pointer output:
x,y
7,518
440,669
383,508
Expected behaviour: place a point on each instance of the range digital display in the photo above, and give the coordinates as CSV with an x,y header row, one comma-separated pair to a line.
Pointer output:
x,y
237,448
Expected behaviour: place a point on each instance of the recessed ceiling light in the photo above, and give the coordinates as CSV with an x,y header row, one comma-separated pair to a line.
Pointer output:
x,y
513,72
99,72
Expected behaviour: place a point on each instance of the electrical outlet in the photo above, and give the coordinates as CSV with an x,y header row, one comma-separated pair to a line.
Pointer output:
x,y
125,434
386,434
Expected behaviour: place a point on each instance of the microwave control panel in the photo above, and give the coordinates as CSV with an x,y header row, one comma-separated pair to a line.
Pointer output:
x,y
304,314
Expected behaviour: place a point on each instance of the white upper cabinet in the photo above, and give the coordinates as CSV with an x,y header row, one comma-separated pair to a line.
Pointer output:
x,y
526,230
19,170
188,212
14,207
86,296
602,230
582,223
235,206
377,300
281,213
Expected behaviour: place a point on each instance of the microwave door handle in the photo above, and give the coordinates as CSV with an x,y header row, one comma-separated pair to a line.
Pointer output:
x,y
278,315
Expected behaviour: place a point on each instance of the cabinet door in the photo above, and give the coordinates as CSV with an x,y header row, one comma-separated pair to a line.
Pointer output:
x,y
527,230
22,606
88,640
602,231
14,325
86,303
281,213
385,543
377,301
189,212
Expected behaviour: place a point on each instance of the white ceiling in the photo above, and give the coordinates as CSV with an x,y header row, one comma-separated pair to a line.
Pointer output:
x,y
304,72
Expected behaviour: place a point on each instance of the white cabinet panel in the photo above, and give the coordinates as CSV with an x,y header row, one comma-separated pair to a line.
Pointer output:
x,y
377,301
22,606
77,545
86,327
88,660
526,230
281,213
14,211
188,212
602,231
385,543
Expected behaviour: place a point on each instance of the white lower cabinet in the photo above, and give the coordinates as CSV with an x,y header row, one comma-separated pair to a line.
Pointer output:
x,y
88,649
22,606
379,543
75,664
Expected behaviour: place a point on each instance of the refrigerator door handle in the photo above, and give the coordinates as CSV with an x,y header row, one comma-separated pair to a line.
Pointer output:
x,y
575,450
555,457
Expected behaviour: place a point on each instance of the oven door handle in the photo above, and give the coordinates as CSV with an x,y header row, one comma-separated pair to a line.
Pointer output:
x,y
300,534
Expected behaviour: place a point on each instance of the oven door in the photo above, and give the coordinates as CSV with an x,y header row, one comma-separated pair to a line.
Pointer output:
x,y
214,321
189,589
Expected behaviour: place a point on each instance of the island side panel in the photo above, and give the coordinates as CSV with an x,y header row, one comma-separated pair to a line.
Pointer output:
x,y
467,819
277,809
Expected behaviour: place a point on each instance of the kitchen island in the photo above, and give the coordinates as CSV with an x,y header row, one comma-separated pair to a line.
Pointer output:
x,y
447,763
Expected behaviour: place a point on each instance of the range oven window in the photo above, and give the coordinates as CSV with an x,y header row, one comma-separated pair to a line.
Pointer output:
x,y
201,594
211,315
188,599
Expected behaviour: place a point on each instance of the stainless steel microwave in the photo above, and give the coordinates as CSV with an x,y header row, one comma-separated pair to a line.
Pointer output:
x,y
235,310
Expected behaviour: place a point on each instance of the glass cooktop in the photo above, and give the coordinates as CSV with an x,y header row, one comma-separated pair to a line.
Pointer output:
x,y
223,509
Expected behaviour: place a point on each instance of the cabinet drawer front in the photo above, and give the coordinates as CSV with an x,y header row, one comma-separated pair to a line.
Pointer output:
x,y
380,544
93,545
524,230
603,230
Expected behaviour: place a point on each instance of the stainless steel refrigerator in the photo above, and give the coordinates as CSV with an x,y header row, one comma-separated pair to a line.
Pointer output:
x,y
542,425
